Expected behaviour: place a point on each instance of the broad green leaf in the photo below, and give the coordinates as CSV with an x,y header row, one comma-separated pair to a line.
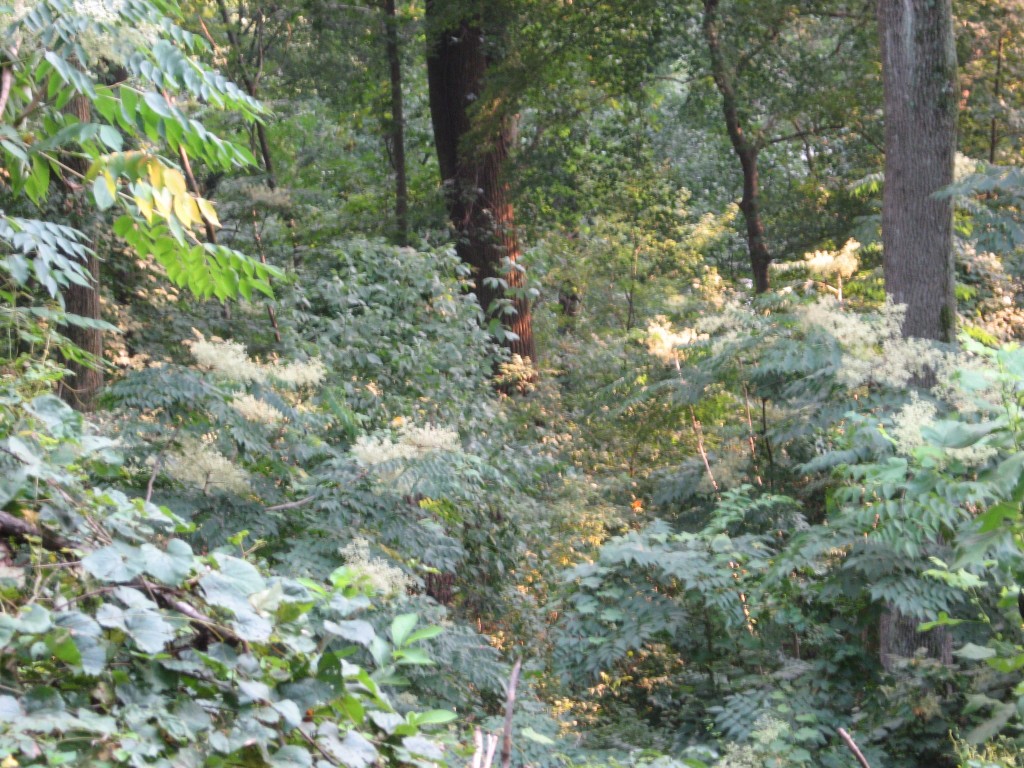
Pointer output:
x,y
401,626
357,631
973,652
433,717
103,190
539,738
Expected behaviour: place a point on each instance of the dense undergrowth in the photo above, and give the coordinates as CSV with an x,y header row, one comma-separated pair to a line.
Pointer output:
x,y
309,530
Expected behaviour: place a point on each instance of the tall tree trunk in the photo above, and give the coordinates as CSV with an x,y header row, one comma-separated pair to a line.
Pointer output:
x,y
79,390
476,194
919,75
746,150
397,125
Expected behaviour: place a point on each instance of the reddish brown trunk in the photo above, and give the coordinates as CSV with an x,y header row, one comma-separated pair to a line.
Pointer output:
x,y
80,388
476,194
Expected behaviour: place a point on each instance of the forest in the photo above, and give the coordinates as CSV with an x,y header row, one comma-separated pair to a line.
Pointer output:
x,y
512,383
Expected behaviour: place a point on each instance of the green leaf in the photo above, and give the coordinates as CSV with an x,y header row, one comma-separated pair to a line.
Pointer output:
x,y
425,633
540,738
433,717
102,192
357,631
973,652
401,626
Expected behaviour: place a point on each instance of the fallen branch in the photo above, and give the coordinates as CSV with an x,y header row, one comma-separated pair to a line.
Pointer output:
x,y
846,737
23,529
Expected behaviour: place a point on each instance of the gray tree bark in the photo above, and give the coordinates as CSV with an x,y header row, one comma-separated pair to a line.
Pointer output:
x,y
919,75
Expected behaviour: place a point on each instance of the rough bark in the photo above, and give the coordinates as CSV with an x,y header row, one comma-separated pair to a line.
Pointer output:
x,y
396,127
919,76
476,193
80,388
746,150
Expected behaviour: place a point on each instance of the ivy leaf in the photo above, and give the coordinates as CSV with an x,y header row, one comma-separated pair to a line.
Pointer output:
x,y
34,620
117,563
291,757
10,710
354,751
241,574
149,631
290,711
172,565
85,633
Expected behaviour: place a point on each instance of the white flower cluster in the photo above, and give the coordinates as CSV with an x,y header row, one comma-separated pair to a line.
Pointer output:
x,y
873,345
907,424
842,263
197,463
663,342
385,580
254,409
229,359
412,443
963,166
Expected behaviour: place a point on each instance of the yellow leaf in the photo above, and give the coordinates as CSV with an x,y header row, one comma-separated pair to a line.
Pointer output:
x,y
183,209
208,211
156,174
145,208
164,202
175,182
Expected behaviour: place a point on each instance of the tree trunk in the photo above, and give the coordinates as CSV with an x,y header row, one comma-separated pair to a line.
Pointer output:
x,y
397,125
476,194
919,74
79,390
746,150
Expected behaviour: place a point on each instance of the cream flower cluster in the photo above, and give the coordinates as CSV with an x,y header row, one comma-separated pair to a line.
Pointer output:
x,y
197,463
385,580
413,442
230,360
842,263
874,347
664,343
254,409
907,424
